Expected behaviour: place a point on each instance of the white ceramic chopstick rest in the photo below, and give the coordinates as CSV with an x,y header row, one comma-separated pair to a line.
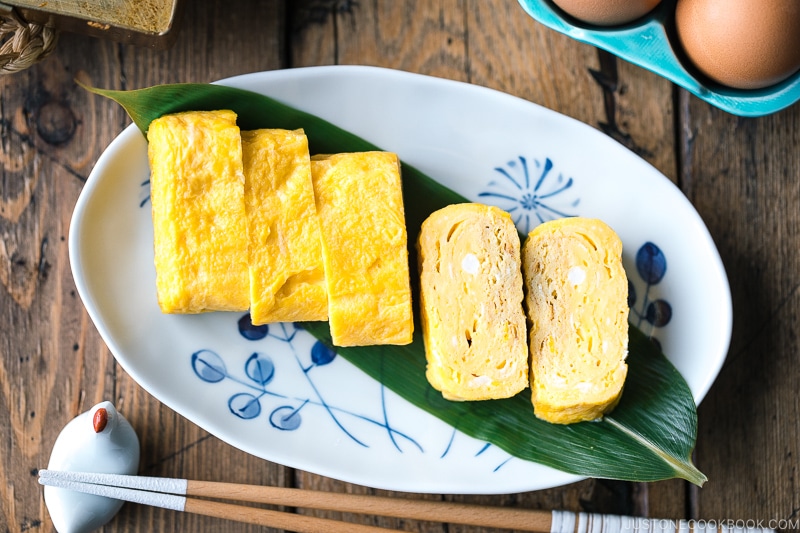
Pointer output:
x,y
99,440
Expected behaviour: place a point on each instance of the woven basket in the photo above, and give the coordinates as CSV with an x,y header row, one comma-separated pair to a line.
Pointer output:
x,y
23,44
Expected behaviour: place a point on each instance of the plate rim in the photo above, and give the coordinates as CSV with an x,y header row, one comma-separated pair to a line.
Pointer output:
x,y
126,136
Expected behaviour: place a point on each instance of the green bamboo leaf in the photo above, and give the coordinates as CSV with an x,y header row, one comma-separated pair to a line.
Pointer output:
x,y
649,436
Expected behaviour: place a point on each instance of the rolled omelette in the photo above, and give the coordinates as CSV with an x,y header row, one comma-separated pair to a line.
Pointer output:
x,y
287,277
364,247
473,323
577,306
199,218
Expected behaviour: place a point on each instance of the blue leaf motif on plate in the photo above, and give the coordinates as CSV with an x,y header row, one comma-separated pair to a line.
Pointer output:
x,y
321,355
250,331
260,368
208,366
286,418
531,194
651,266
651,263
145,185
261,372
244,405
658,313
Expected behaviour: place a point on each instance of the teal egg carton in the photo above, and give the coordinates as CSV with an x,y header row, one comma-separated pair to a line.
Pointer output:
x,y
651,42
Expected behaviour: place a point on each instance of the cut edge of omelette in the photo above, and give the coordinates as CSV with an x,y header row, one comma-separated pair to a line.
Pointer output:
x,y
473,323
577,305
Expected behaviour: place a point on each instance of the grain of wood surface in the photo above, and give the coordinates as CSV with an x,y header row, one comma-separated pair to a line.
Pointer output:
x,y
743,176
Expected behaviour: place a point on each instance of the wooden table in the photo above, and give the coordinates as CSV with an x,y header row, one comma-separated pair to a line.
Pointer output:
x,y
742,175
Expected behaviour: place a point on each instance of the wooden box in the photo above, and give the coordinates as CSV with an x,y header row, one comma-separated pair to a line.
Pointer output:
x,y
150,23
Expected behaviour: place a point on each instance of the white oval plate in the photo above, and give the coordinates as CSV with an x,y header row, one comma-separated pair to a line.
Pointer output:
x,y
280,399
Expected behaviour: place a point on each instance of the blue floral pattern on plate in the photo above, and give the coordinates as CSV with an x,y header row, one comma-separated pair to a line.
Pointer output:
x,y
531,194
536,193
258,372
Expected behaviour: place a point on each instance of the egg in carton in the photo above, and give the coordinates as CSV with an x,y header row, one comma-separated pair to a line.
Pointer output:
x,y
739,56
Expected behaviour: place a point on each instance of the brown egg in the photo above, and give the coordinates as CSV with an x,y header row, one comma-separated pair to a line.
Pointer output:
x,y
745,44
607,12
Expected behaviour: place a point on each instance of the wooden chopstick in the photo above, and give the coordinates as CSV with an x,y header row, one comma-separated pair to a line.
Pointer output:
x,y
263,517
426,510
174,494
434,511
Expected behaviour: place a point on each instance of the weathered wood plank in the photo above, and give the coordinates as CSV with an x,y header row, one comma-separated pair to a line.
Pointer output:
x,y
421,36
744,177
53,364
742,174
